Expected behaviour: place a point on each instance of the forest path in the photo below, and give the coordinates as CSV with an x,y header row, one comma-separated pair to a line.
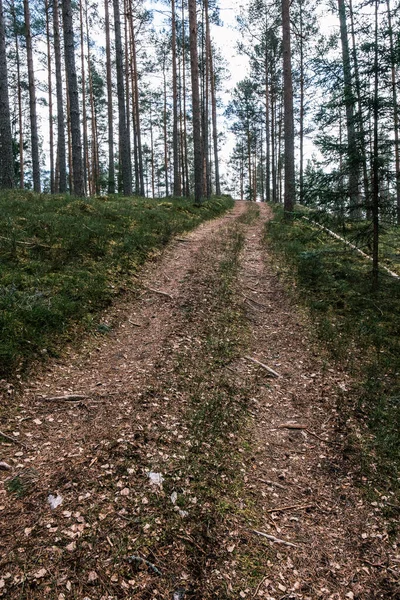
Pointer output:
x,y
169,392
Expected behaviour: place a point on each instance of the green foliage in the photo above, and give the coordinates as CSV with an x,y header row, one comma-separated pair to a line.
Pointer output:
x,y
62,260
356,324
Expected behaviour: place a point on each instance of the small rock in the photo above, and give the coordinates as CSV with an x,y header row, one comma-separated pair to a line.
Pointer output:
x,y
5,466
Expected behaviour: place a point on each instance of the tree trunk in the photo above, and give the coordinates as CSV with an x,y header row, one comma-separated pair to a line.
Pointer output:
x,y
395,111
352,153
32,100
267,123
214,121
86,164
125,159
206,101
111,167
62,160
360,115
194,68
135,92
185,137
302,111
72,82
290,188
165,132
175,132
6,150
50,92
375,167
20,114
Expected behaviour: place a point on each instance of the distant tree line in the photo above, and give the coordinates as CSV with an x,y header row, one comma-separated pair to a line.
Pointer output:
x,y
94,99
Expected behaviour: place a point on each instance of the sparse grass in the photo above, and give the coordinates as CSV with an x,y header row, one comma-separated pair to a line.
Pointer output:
x,y
357,325
62,260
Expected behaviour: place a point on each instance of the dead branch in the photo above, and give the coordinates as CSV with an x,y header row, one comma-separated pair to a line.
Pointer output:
x,y
255,301
139,559
292,426
67,398
274,483
259,587
12,439
293,507
160,292
274,539
133,323
257,362
352,246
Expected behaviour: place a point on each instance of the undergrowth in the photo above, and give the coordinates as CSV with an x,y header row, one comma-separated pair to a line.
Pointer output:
x,y
62,260
357,325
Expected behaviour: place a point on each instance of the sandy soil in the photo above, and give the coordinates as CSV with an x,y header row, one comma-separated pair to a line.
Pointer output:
x,y
297,475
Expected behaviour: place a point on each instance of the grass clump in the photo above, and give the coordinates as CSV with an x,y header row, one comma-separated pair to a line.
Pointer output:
x,y
62,260
356,324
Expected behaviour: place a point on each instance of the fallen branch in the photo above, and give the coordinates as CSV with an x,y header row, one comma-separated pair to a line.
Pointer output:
x,y
259,586
11,439
268,482
274,539
139,559
257,362
160,292
133,323
292,426
293,507
255,301
304,428
67,398
352,246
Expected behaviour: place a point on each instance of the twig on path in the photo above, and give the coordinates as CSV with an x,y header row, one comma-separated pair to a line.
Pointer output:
x,y
67,398
293,426
274,539
293,507
305,428
269,482
139,559
12,439
255,301
259,586
160,292
133,323
257,362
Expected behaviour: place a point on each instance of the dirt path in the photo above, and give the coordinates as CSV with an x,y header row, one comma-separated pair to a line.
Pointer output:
x,y
169,393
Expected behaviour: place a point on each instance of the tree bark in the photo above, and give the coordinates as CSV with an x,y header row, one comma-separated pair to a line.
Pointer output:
x,y
32,101
62,159
6,151
111,167
72,82
50,91
352,153
175,132
194,67
290,189
125,159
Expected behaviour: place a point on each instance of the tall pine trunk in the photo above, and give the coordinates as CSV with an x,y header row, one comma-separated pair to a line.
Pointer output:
x,y
111,167
61,154
50,90
290,186
125,159
194,68
6,151
32,100
175,130
214,119
352,153
395,110
73,97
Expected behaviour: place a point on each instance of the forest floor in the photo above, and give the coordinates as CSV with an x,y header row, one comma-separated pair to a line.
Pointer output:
x,y
182,448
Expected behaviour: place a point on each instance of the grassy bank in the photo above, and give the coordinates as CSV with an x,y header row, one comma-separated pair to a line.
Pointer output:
x,y
357,325
62,260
